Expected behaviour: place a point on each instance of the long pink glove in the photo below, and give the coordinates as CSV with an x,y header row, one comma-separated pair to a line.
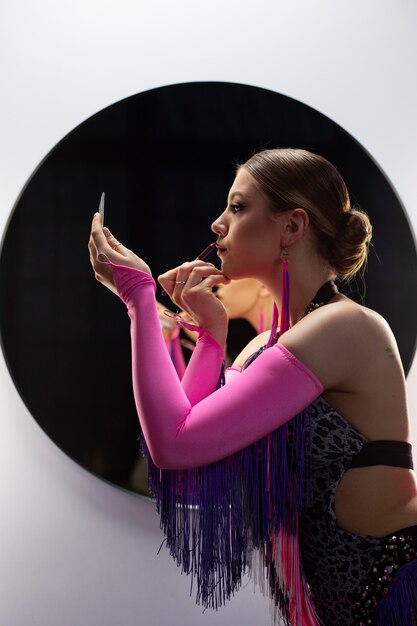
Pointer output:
x,y
204,368
175,351
275,388
231,374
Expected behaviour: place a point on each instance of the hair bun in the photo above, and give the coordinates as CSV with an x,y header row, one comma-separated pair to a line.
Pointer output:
x,y
349,248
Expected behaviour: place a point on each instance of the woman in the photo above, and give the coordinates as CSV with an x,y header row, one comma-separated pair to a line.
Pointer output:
x,y
244,299
312,431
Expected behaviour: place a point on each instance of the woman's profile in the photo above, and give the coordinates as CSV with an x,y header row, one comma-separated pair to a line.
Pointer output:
x,y
296,464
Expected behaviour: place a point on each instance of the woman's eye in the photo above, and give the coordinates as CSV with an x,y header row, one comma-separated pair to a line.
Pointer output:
x,y
236,207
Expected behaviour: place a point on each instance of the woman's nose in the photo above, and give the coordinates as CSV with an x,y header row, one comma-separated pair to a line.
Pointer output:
x,y
218,227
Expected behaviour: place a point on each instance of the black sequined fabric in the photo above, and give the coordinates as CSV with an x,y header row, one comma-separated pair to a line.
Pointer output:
x,y
397,550
337,564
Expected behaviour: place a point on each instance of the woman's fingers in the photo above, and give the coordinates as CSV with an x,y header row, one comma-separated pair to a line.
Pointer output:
x,y
201,279
113,242
104,248
201,276
104,242
190,287
100,254
175,279
196,296
188,274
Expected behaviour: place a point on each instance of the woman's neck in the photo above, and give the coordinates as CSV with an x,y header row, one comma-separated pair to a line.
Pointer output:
x,y
303,287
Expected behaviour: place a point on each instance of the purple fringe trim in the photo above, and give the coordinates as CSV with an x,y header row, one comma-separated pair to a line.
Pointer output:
x,y
399,606
213,517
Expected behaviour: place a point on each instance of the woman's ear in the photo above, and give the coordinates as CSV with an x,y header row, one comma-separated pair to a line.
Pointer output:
x,y
296,226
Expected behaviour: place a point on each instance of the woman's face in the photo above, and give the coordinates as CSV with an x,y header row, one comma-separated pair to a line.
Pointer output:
x,y
239,297
248,232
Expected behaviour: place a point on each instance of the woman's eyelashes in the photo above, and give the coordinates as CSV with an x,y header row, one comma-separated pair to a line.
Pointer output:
x,y
236,207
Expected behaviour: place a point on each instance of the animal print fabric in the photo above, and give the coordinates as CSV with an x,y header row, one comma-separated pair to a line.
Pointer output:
x,y
335,562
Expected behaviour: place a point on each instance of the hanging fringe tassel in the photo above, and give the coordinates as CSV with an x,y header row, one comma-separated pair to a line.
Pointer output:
x,y
399,605
274,328
284,561
241,513
234,515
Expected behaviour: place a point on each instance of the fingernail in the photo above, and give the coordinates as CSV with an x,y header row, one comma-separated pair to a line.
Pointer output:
x,y
107,232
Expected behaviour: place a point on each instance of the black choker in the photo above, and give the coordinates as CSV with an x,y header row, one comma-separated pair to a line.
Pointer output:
x,y
326,292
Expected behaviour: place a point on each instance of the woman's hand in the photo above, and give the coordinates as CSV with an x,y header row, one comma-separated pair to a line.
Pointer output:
x,y
103,248
190,287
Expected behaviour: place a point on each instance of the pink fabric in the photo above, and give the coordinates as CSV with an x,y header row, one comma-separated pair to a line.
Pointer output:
x,y
176,354
180,435
232,373
204,368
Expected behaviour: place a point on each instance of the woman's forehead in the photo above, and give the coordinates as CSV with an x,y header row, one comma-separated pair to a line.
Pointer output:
x,y
244,185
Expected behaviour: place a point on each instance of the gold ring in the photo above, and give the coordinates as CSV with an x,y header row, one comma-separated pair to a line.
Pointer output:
x,y
117,245
180,282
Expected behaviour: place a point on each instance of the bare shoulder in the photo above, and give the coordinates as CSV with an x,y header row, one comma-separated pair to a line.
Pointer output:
x,y
254,345
340,322
339,341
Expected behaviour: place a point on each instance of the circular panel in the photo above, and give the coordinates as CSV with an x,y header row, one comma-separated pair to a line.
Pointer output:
x,y
165,159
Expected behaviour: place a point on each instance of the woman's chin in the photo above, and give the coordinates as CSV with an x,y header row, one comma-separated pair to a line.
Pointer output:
x,y
233,273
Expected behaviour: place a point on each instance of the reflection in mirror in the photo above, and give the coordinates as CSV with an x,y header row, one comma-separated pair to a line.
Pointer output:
x,y
165,159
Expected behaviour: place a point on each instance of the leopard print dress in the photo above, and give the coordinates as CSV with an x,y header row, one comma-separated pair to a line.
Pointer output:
x,y
335,562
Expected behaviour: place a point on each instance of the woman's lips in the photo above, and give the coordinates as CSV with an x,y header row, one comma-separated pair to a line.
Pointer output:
x,y
220,250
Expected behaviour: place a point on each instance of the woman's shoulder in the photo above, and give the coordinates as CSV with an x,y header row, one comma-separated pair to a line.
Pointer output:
x,y
342,319
336,342
340,340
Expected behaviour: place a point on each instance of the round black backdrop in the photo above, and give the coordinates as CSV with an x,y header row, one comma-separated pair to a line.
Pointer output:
x,y
165,159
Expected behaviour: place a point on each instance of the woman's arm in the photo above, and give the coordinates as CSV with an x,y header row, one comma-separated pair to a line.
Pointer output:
x,y
208,355
204,369
269,393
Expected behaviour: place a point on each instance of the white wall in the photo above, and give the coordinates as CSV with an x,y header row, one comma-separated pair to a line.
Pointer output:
x,y
74,550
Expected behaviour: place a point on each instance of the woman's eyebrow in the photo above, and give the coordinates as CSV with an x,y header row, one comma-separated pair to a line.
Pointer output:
x,y
240,194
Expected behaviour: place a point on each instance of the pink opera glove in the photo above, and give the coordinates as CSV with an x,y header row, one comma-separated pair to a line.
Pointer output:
x,y
204,368
175,351
275,388
232,373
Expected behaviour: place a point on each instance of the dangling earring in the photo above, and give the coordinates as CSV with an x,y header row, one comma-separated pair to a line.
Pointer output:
x,y
261,322
285,305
